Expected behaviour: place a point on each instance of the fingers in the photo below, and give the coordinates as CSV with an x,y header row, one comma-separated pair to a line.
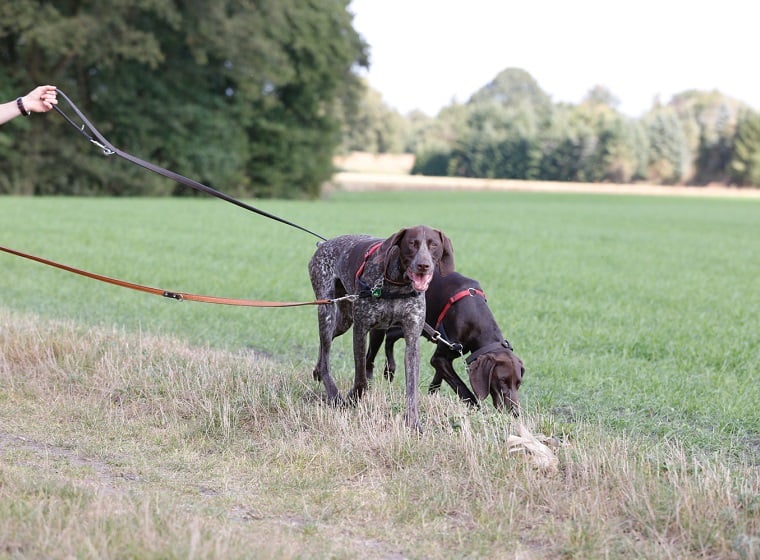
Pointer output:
x,y
49,96
41,98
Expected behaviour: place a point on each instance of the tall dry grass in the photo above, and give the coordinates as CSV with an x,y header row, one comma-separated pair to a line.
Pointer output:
x,y
114,445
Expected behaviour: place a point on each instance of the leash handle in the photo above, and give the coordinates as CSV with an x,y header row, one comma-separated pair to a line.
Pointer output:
x,y
109,149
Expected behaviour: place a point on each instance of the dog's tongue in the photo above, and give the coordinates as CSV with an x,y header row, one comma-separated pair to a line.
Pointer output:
x,y
420,281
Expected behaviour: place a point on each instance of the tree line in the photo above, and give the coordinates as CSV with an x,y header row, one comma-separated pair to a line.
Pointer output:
x,y
247,97
255,99
511,129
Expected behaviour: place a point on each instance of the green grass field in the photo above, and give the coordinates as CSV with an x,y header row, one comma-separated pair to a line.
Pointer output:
x,y
640,312
636,317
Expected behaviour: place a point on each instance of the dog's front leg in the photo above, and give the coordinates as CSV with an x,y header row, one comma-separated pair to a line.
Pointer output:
x,y
412,370
360,363
444,370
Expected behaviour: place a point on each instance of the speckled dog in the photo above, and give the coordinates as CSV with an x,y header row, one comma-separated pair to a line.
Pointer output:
x,y
386,279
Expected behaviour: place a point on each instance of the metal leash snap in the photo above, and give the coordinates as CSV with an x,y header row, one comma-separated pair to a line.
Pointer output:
x,y
106,151
350,297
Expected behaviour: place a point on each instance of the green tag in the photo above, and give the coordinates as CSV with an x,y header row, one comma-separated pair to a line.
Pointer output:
x,y
376,292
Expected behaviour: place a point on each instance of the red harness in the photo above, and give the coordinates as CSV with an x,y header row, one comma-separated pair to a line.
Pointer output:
x,y
371,251
455,298
363,290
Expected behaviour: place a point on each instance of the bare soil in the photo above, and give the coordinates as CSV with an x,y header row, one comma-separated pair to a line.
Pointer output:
x,y
364,171
357,182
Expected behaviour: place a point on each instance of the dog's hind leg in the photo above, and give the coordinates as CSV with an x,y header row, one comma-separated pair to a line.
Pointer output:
x,y
334,320
376,337
391,336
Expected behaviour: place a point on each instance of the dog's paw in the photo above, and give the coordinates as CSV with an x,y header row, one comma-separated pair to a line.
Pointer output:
x,y
415,427
353,396
335,401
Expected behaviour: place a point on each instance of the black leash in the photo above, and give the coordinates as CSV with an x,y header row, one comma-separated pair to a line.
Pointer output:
x,y
95,137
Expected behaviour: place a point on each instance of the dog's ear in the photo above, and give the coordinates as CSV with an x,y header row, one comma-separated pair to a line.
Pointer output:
x,y
383,254
480,372
392,264
388,255
446,264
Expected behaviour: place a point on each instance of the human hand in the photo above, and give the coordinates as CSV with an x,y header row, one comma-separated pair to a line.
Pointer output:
x,y
41,99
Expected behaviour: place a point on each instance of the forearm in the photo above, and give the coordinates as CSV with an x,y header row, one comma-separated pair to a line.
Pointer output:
x,y
9,111
39,100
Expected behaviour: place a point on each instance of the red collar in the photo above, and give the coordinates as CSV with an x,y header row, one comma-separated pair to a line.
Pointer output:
x,y
455,298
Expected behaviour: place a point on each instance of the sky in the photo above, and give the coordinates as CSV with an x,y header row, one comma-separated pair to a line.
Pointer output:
x,y
424,54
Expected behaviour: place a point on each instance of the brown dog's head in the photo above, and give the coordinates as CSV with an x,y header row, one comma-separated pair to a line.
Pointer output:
x,y
500,375
412,254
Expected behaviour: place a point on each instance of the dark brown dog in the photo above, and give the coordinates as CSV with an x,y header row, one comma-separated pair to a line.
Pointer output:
x,y
382,282
457,308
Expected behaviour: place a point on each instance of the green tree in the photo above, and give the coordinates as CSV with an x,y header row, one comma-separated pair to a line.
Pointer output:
x,y
745,163
501,136
500,142
433,140
566,145
669,155
601,96
516,88
374,127
709,121
617,156
246,97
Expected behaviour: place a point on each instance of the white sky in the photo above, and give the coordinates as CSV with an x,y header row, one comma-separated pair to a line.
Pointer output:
x,y
426,53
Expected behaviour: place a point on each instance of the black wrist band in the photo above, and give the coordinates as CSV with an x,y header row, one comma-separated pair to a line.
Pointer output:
x,y
20,105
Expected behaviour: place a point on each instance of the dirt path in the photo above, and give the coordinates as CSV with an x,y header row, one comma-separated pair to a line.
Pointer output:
x,y
357,182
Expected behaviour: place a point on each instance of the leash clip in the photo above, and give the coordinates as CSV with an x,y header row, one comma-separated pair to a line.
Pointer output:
x,y
437,338
106,151
349,297
173,295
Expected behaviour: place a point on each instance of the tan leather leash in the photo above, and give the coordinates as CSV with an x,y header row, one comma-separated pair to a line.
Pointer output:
x,y
179,296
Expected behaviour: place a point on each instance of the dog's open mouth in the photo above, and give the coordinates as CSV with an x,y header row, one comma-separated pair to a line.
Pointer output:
x,y
420,281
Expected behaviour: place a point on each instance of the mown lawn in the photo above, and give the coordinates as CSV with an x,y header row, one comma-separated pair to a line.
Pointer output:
x,y
640,313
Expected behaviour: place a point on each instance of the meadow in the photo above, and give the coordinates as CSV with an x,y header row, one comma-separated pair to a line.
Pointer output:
x,y
137,426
